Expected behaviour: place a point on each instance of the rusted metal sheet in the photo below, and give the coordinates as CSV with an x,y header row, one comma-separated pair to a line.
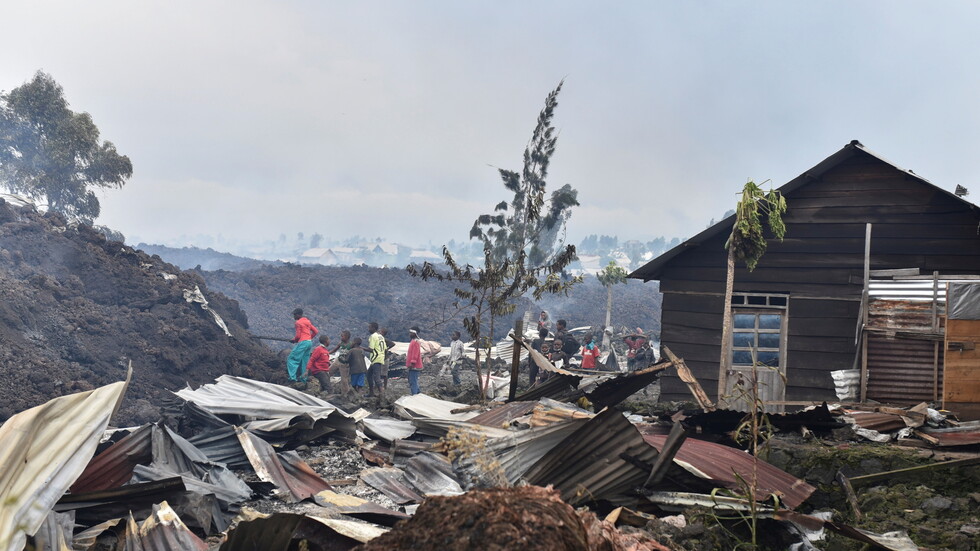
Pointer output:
x,y
296,483
501,416
903,315
114,466
881,422
389,481
720,464
964,435
592,463
902,371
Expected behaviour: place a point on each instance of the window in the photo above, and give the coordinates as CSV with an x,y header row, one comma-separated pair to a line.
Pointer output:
x,y
756,338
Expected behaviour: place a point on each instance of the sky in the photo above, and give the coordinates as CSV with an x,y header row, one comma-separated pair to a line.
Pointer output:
x,y
250,119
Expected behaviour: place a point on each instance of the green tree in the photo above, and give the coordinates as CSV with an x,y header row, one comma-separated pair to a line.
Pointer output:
x,y
747,243
523,240
609,276
49,152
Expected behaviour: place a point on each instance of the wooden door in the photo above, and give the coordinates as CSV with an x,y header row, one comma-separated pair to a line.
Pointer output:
x,y
961,382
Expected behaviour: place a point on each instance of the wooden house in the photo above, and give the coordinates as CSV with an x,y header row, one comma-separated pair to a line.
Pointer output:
x,y
803,311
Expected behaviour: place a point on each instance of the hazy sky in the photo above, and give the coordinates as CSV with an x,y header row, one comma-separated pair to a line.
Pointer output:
x,y
252,119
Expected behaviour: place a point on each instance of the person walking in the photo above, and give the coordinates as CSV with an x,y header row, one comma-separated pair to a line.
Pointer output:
x,y
319,365
300,355
414,361
377,353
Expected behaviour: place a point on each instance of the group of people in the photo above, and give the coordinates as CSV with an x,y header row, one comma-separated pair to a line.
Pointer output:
x,y
357,366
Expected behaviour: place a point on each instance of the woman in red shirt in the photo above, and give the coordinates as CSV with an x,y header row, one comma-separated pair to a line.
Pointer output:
x,y
590,352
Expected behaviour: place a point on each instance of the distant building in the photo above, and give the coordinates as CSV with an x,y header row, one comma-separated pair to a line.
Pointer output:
x,y
422,255
318,256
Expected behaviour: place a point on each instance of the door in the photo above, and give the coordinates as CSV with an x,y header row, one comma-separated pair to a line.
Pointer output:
x,y
758,355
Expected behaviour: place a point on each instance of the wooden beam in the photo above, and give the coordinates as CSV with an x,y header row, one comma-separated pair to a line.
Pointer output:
x,y
690,380
515,366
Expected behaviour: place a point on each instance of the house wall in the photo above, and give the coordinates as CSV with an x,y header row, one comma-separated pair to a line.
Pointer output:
x,y
820,265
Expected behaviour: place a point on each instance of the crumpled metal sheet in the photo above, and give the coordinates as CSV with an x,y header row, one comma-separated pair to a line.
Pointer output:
x,y
114,466
589,463
231,395
42,452
425,406
293,478
284,531
356,507
720,464
432,475
387,429
389,481
612,391
164,531
196,296
55,533
501,416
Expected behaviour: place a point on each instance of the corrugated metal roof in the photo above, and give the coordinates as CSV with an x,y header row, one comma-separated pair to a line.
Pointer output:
x,y
557,386
964,435
42,452
256,400
720,464
425,406
589,463
881,422
432,475
356,507
613,391
901,371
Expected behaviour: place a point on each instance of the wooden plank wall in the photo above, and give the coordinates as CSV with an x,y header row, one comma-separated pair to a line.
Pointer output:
x,y
822,258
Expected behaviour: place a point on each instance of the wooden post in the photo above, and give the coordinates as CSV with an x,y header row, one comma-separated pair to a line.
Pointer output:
x,y
515,366
863,316
673,443
935,329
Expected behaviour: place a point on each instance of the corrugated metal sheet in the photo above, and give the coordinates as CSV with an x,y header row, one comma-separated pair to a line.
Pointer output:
x,y
964,435
720,464
502,415
164,531
901,371
881,422
43,450
356,507
425,406
294,484
613,391
432,475
283,531
589,463
114,466
387,429
389,481
548,411
557,387
221,445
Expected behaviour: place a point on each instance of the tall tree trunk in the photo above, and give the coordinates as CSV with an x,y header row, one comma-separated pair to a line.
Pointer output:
x,y
726,327
605,334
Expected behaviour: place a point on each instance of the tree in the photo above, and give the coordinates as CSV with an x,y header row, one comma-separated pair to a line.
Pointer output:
x,y
523,240
49,152
609,276
747,243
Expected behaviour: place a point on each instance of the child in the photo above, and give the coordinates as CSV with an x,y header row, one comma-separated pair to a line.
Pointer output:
x,y
413,360
358,367
319,365
590,352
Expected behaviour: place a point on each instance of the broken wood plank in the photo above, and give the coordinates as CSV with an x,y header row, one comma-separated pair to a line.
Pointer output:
x,y
927,437
691,381
857,480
